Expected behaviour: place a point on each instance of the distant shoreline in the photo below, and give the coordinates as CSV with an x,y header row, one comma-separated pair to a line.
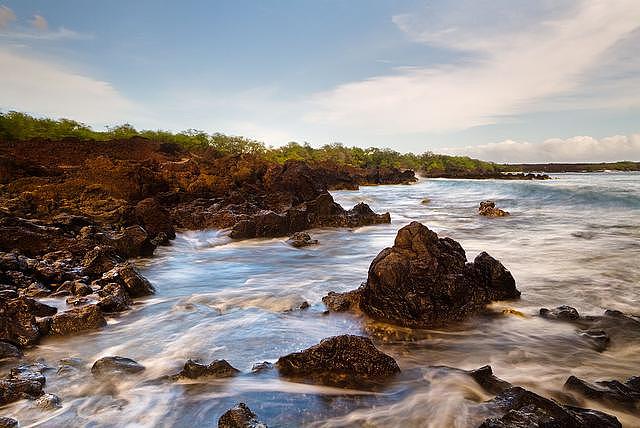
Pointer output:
x,y
571,167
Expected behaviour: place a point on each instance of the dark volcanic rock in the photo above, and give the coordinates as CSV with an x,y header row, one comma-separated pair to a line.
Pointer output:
x,y
425,281
218,369
522,408
598,331
75,320
489,209
49,402
339,360
340,302
155,219
22,382
486,379
8,422
128,277
9,351
240,416
115,367
613,392
18,320
132,241
301,239
113,298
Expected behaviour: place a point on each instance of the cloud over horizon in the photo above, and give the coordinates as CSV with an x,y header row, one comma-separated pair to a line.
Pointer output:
x,y
575,149
505,74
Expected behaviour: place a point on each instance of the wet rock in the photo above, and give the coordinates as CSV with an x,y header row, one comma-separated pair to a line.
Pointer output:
x,y
8,422
100,260
69,365
489,209
261,367
155,219
340,302
22,382
133,241
301,239
304,305
240,416
49,402
613,392
600,330
563,313
424,281
339,360
195,370
18,320
75,320
115,367
487,380
521,408
113,298
127,276
8,351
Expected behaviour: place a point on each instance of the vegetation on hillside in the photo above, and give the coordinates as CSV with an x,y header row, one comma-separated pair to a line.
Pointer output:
x,y
16,126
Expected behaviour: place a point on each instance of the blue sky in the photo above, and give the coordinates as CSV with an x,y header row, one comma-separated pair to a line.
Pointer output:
x,y
506,80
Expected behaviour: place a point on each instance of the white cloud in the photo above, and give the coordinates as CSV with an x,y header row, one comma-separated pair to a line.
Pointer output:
x,y
575,149
6,16
39,23
508,73
46,88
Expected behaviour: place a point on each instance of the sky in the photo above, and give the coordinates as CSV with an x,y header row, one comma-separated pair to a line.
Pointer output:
x,y
502,80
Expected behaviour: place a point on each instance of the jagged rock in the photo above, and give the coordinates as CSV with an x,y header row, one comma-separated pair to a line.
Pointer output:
x,y
261,367
22,382
486,379
563,313
155,219
339,360
425,281
75,320
100,260
49,402
132,241
340,302
240,416
613,392
8,422
488,209
301,239
521,408
127,276
195,370
9,351
113,298
18,320
115,367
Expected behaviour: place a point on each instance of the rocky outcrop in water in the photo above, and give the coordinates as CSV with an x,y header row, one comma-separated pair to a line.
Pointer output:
x,y
301,239
521,408
24,381
116,367
240,416
625,395
489,209
75,320
8,422
339,360
597,330
425,281
216,369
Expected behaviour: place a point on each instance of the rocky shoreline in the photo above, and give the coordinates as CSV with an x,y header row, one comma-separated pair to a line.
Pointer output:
x,y
73,212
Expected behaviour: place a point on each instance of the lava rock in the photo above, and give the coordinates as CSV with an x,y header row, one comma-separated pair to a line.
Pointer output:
x,y
8,422
155,219
488,209
114,298
18,320
619,394
301,239
75,320
261,367
487,380
8,351
49,402
424,281
132,241
521,408
195,370
25,381
126,275
339,360
115,367
340,302
563,313
240,416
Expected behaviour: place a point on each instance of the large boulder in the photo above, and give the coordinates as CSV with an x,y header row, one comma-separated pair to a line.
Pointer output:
x,y
127,276
624,395
339,360
25,381
115,367
489,209
425,281
155,219
18,322
240,416
195,370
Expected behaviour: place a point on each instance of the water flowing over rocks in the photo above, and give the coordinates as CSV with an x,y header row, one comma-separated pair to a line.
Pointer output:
x,y
521,408
116,367
619,394
216,369
24,381
598,330
240,416
425,281
489,209
339,360
301,239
